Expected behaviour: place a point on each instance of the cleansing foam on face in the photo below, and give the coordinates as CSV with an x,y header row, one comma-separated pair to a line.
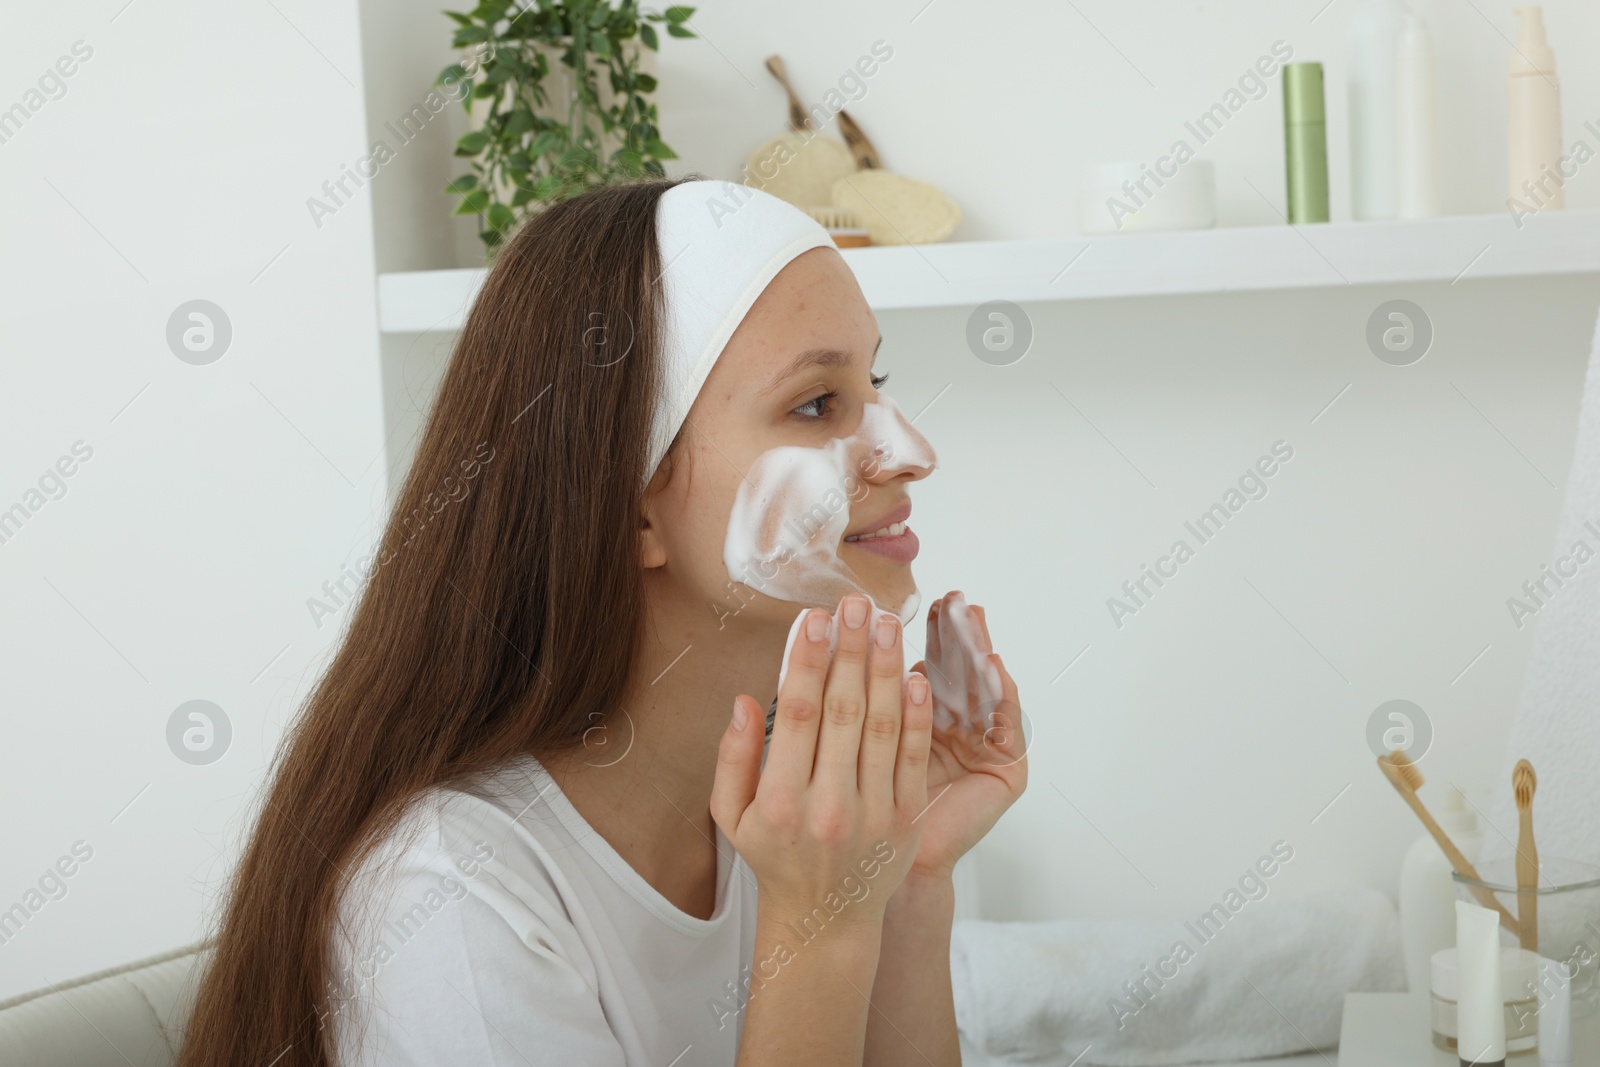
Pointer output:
x,y
1480,1014
793,509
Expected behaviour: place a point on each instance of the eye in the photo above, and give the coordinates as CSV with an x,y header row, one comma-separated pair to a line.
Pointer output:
x,y
820,403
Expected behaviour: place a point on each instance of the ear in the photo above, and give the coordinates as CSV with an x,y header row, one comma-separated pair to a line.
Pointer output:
x,y
652,547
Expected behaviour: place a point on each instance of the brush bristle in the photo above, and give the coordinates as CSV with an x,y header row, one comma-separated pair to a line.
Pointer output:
x,y
1408,770
1523,783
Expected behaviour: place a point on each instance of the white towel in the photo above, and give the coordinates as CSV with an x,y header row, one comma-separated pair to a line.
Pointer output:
x,y
1269,982
1557,724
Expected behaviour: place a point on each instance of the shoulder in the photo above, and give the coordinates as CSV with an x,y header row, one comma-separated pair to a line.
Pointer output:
x,y
452,844
452,937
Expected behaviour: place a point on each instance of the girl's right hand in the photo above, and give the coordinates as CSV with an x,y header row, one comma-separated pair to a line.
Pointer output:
x,y
837,805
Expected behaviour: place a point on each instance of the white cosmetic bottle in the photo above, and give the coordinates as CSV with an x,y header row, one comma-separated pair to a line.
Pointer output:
x,y
1428,892
1371,51
1534,116
1416,120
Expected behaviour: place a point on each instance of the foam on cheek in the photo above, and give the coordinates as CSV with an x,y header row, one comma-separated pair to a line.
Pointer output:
x,y
887,428
793,509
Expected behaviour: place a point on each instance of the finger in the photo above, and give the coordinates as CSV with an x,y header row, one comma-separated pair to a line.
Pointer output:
x,y
793,749
990,688
738,764
1006,735
880,731
935,661
844,698
952,686
985,642
916,735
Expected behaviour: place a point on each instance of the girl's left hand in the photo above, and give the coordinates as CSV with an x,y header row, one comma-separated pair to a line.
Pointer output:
x,y
978,764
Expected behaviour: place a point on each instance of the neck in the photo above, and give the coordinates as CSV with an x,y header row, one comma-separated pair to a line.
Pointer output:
x,y
643,778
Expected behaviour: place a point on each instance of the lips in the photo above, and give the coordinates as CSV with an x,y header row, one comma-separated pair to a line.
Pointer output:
x,y
901,547
899,514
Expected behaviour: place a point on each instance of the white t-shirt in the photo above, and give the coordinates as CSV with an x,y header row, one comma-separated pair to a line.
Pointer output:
x,y
498,928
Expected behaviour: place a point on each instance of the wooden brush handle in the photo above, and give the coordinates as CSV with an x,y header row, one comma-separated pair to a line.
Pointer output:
x,y
799,118
866,155
1459,861
1527,882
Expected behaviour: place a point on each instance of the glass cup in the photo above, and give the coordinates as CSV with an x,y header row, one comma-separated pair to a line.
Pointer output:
x,y
1568,899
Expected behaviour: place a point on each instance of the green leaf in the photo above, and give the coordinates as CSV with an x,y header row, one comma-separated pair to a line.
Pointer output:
x,y
463,20
485,90
676,30
597,18
475,202
678,13
463,184
525,193
470,35
601,48
472,143
629,161
545,143
501,218
520,122
645,83
455,72
659,150
647,34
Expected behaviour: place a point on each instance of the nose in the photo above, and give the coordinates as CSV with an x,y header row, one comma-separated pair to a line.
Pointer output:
x,y
894,447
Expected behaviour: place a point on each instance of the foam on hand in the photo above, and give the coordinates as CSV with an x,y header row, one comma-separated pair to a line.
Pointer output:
x,y
793,510
966,686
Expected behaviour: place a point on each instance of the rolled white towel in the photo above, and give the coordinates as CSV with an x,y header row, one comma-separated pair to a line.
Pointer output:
x,y
1268,979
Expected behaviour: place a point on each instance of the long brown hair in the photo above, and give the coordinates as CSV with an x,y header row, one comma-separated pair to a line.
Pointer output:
x,y
503,607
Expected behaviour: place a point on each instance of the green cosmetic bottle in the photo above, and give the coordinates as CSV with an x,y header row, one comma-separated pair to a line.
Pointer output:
x,y
1305,143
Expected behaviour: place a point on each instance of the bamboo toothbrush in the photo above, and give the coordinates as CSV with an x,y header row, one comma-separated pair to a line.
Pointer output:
x,y
1523,782
1406,779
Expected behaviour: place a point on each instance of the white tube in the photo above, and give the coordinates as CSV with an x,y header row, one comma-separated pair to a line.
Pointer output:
x,y
1372,36
1555,1017
1416,119
1480,1011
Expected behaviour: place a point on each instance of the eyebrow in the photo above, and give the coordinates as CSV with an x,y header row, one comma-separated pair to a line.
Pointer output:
x,y
814,357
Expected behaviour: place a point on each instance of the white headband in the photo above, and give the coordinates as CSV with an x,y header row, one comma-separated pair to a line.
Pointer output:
x,y
721,243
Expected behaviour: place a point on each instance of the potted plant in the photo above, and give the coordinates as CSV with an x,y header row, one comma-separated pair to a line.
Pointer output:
x,y
533,147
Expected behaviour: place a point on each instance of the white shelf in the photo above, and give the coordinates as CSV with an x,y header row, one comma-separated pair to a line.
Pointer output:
x,y
1245,259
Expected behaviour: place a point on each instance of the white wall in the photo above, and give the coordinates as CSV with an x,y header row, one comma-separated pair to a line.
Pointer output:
x,y
1232,708
218,497
1188,741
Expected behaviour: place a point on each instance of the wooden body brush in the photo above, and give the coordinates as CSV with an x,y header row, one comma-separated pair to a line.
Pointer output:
x,y
1523,782
1406,779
